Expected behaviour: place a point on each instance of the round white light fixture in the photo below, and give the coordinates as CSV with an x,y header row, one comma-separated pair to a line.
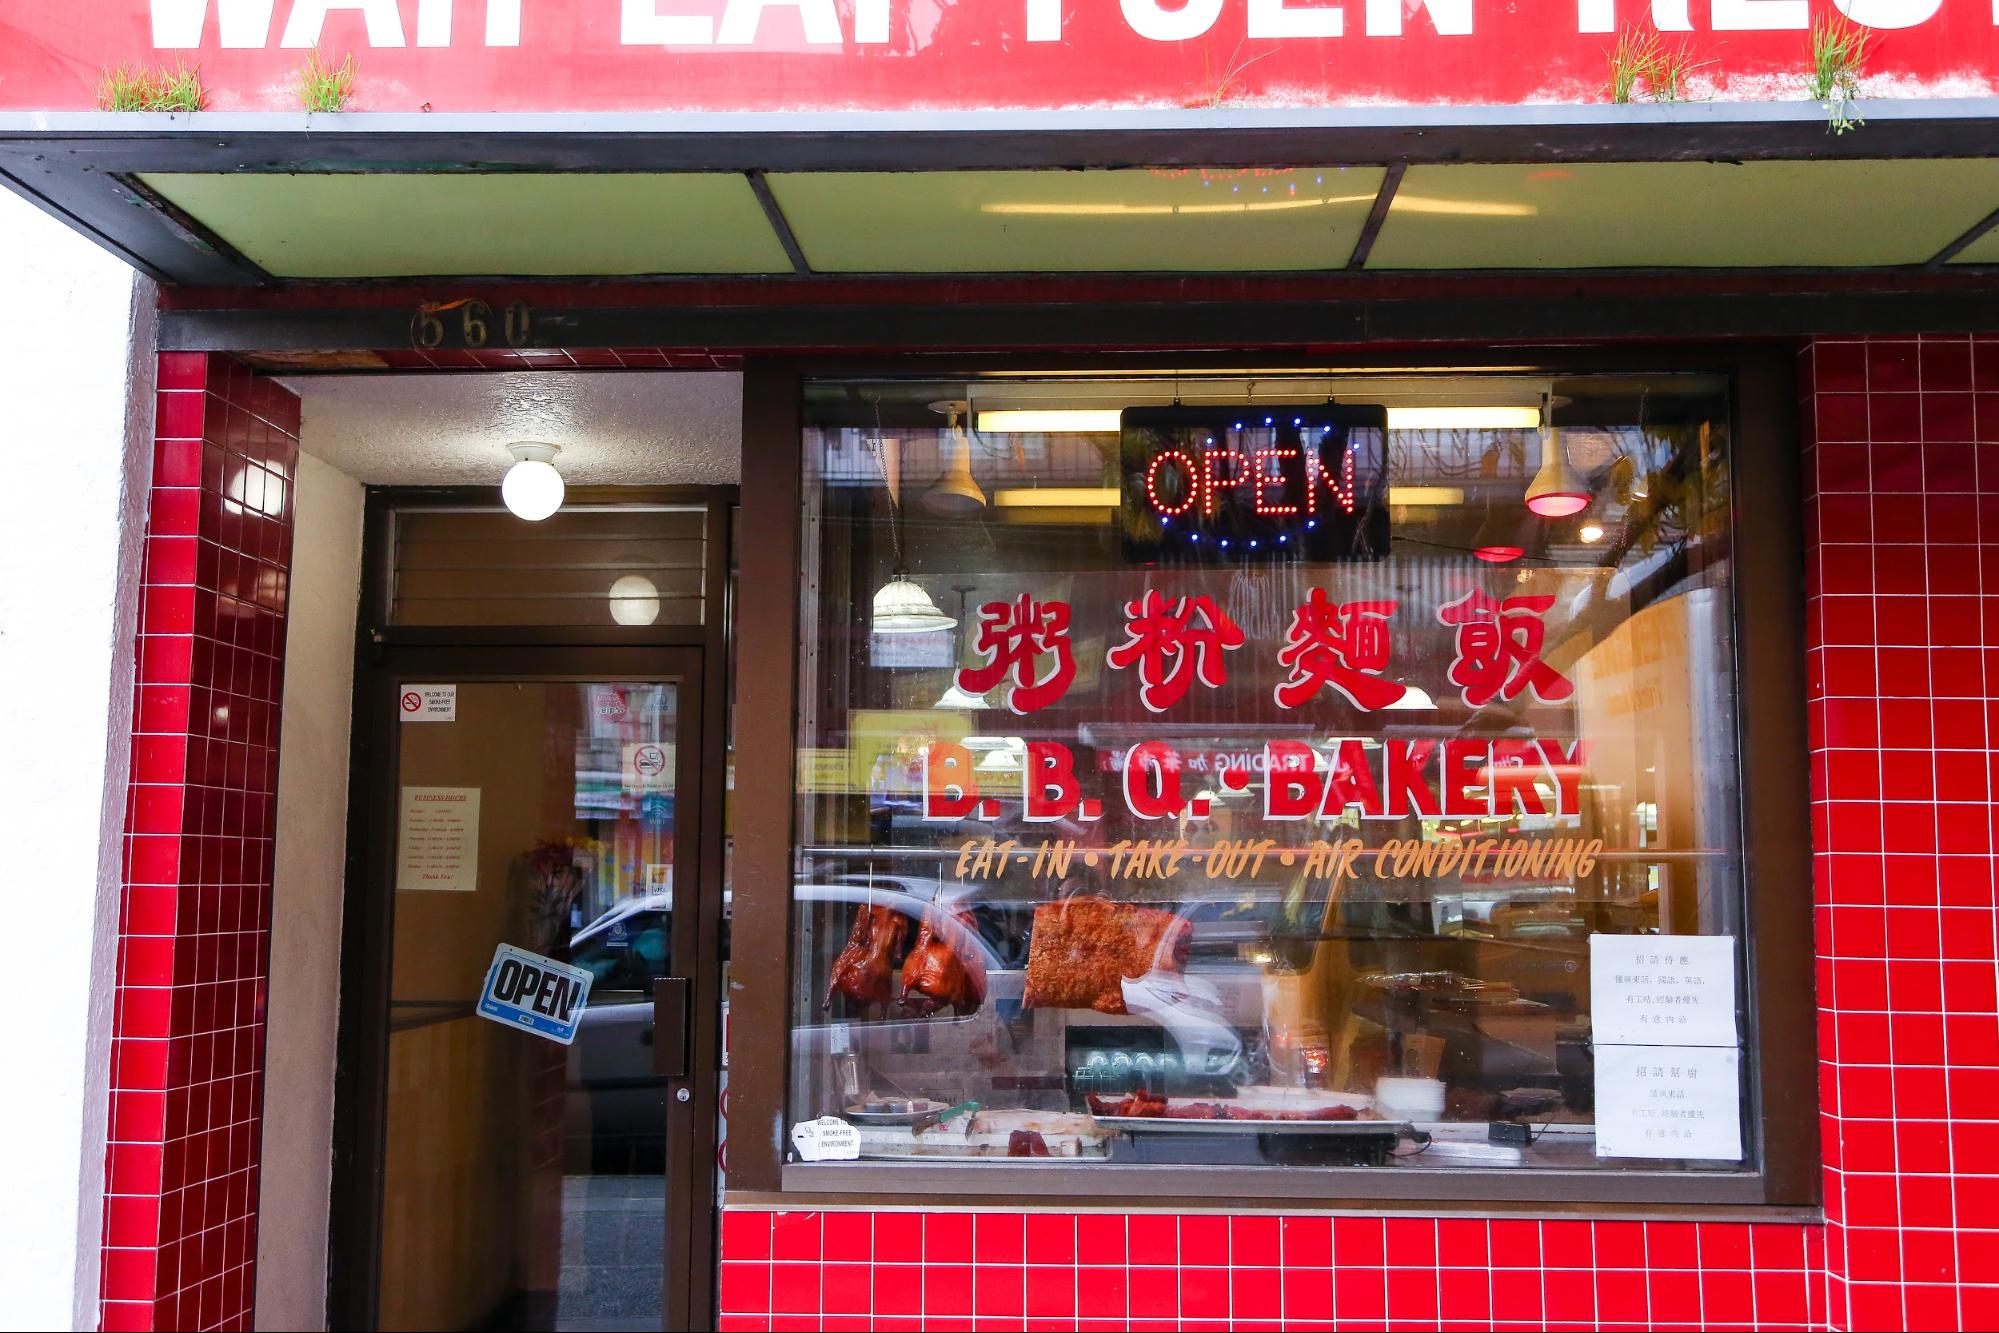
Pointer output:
x,y
957,698
1591,532
901,607
532,487
1413,697
634,600
1000,760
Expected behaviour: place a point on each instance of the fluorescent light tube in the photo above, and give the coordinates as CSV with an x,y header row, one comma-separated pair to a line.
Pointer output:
x,y
1050,420
1056,497
1437,496
1464,418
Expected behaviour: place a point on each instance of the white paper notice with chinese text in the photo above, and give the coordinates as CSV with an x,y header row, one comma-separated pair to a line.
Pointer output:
x,y
1669,1101
1663,990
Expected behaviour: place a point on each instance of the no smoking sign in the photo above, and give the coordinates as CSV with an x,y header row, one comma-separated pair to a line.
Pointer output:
x,y
428,703
647,766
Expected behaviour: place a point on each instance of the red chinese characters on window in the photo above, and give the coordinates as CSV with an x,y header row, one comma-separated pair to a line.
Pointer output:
x,y
1013,639
1344,645
1172,643
1499,649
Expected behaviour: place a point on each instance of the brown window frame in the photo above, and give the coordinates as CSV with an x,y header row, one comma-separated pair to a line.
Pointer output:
x,y
1769,615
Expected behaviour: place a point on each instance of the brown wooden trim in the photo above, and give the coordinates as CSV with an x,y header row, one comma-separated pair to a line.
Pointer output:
x,y
578,636
767,628
848,1201
1768,575
1277,1186
688,1179
692,1267
1769,600
1377,216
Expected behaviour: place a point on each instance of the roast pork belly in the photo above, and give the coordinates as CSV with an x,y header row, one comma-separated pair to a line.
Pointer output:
x,y
1084,947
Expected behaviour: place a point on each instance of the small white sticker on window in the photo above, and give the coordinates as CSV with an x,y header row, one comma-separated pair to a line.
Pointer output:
x,y
827,1139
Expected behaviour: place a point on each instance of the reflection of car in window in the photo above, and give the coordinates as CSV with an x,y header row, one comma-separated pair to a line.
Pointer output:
x,y
628,953
617,1103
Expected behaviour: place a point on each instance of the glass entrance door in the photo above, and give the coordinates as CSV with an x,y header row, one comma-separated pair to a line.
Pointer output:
x,y
526,1183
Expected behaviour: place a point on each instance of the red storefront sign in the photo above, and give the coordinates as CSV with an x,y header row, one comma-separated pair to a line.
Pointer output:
x,y
889,55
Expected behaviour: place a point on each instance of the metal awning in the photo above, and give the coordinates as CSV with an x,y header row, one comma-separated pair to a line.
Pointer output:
x,y
224,199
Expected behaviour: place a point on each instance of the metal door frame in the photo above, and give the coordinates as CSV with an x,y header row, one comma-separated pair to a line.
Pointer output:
x,y
697,658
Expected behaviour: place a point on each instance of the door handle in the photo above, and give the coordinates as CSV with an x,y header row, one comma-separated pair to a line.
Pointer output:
x,y
669,1025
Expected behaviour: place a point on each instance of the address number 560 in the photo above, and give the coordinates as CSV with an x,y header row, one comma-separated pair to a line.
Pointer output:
x,y
471,323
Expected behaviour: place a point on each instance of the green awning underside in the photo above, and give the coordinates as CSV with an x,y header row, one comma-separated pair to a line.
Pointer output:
x,y
1602,215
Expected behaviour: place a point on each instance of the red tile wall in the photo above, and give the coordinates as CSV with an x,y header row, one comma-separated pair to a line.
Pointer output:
x,y
180,1216
1901,476
1902,485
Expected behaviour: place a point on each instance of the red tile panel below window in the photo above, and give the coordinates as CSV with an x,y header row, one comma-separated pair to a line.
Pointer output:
x,y
1900,465
1146,1271
188,1045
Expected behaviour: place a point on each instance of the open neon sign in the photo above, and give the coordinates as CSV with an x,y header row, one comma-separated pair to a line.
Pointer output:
x,y
1284,481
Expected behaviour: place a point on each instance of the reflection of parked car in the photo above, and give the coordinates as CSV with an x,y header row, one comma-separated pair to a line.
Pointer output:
x,y
1207,1018
626,947
617,1104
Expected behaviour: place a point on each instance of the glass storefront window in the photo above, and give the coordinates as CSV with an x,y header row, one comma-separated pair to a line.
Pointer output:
x,y
1317,771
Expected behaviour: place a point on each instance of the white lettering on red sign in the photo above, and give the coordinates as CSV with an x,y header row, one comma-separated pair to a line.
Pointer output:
x,y
253,24
247,24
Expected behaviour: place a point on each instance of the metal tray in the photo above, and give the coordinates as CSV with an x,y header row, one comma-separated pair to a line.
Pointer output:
x,y
1152,1124
915,1108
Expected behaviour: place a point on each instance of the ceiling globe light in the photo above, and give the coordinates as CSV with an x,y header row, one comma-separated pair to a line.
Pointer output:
x,y
634,600
1413,697
901,607
1591,532
532,487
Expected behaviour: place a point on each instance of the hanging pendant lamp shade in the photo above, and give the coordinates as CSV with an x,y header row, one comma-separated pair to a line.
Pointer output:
x,y
957,492
1556,491
1497,541
902,607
